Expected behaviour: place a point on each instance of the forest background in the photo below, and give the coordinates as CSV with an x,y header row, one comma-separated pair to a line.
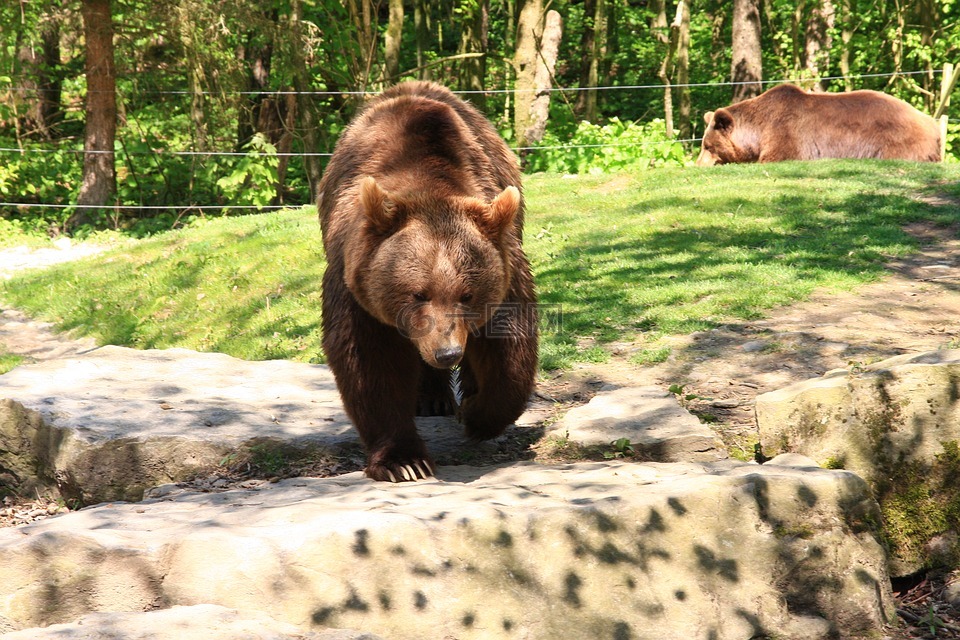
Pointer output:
x,y
144,115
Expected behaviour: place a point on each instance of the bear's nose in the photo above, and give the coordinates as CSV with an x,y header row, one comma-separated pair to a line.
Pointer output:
x,y
448,356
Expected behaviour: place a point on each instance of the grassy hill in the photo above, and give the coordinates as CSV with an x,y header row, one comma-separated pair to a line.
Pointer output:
x,y
616,257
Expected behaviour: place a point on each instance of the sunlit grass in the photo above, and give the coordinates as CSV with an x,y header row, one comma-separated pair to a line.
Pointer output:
x,y
618,257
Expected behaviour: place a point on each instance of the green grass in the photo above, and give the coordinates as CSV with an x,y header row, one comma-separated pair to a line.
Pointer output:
x,y
8,361
620,257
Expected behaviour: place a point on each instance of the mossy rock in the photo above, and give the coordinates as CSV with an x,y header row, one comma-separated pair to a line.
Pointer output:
x,y
896,423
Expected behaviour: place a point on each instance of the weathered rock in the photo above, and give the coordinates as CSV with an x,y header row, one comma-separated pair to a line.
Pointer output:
x,y
110,423
208,622
897,424
649,417
647,551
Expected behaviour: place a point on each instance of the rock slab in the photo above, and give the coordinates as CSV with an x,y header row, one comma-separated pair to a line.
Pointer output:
x,y
206,622
649,417
897,424
716,551
111,423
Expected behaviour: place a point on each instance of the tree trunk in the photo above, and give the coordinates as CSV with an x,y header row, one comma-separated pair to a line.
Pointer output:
x,y
587,39
195,75
473,71
718,20
51,79
307,115
592,58
846,35
421,26
747,65
549,47
99,184
361,15
525,63
666,67
683,70
257,56
392,41
818,42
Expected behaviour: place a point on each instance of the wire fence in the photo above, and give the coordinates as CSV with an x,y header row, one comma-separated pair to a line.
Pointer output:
x,y
522,150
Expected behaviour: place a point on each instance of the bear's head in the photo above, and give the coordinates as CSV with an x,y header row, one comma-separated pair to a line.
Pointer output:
x,y
725,140
435,267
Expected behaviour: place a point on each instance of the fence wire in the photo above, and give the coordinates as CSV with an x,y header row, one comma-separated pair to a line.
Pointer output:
x,y
527,149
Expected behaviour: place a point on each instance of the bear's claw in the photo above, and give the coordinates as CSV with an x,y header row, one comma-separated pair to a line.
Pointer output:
x,y
409,472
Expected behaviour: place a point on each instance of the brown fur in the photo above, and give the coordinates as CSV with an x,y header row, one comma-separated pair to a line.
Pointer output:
x,y
422,220
787,123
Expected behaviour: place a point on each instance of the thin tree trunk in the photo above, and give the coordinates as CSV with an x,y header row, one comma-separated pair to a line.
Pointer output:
x,y
392,41
421,26
587,52
257,55
548,43
747,65
683,70
718,19
51,81
525,63
473,71
846,35
818,42
307,115
590,72
99,184
195,76
361,15
795,38
666,67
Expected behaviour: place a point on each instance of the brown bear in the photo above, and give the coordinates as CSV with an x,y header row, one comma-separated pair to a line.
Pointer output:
x,y
422,221
788,123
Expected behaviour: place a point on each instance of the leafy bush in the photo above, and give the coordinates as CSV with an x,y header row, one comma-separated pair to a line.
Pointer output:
x,y
615,146
253,177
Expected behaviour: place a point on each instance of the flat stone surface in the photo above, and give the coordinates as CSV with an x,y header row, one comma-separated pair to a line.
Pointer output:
x,y
111,422
115,392
200,622
645,551
652,420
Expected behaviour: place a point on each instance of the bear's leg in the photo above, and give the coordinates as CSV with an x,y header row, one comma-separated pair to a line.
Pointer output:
x,y
497,378
377,373
435,397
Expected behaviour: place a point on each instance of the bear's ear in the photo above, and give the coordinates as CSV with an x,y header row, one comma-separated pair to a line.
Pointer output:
x,y
722,120
708,117
377,206
501,212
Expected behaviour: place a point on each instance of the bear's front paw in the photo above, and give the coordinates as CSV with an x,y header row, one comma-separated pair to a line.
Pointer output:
x,y
400,471
409,472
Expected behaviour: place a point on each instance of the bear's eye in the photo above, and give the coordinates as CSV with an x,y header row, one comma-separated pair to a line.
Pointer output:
x,y
465,298
421,296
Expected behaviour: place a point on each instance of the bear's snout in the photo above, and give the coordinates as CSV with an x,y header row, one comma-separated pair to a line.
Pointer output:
x,y
447,357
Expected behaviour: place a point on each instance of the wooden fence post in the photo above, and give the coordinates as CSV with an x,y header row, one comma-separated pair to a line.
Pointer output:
x,y
947,84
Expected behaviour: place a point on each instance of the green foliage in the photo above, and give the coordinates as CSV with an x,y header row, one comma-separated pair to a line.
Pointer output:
x,y
8,361
620,448
615,146
251,180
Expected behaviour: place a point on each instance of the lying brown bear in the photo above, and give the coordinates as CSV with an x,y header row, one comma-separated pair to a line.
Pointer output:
x,y
787,123
422,220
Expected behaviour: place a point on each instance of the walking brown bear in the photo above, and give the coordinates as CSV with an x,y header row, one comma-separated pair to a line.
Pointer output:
x,y
422,220
788,123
